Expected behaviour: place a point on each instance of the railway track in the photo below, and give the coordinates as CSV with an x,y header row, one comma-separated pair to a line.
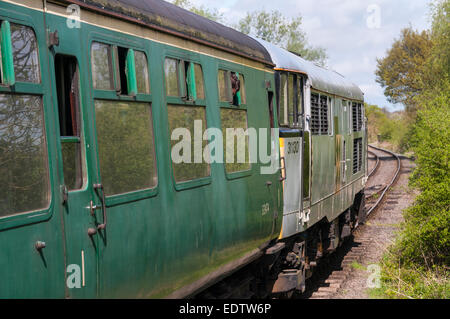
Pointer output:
x,y
334,271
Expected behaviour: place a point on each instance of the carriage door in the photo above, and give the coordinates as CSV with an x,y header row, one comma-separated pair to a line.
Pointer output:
x,y
73,159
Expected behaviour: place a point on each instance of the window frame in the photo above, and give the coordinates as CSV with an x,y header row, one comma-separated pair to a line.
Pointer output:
x,y
229,105
180,101
111,95
297,98
40,90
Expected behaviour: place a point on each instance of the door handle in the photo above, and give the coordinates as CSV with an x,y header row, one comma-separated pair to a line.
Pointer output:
x,y
98,187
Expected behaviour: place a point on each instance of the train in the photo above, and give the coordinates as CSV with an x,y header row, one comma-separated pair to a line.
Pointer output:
x,y
103,196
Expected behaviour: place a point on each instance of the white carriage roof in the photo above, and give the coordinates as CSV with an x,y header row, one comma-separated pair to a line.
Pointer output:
x,y
321,79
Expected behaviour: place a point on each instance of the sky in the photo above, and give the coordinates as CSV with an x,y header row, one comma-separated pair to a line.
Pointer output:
x,y
354,32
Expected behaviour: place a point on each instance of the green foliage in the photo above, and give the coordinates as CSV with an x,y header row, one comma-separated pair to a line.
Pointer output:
x,y
401,72
417,265
388,127
274,27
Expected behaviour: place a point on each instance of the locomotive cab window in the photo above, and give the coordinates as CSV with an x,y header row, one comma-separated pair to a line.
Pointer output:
x,y
290,99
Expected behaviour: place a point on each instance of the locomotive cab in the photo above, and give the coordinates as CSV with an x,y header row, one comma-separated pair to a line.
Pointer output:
x,y
291,105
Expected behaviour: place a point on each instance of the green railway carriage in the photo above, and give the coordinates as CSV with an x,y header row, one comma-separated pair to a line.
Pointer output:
x,y
93,203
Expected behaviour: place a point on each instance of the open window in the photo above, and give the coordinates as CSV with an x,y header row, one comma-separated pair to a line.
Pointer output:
x,y
232,87
184,79
121,69
68,90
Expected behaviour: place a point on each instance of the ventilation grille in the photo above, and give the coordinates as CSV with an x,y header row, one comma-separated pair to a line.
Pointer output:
x,y
357,117
357,155
319,114
315,114
323,115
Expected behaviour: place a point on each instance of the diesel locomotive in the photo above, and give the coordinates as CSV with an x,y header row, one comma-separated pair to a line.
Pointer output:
x,y
95,202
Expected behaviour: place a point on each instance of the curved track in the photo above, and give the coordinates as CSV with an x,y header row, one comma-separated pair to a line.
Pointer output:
x,y
334,271
373,201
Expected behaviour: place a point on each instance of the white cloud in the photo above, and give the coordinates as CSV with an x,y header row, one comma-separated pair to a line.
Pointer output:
x,y
340,26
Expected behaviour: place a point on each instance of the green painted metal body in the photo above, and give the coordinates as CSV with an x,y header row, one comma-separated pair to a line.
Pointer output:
x,y
156,240
333,189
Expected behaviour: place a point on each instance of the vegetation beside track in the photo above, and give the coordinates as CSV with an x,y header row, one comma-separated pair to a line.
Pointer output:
x,y
417,265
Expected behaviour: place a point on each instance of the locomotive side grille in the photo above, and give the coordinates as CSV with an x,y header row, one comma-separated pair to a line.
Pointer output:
x,y
355,117
323,115
360,117
360,155
315,114
357,155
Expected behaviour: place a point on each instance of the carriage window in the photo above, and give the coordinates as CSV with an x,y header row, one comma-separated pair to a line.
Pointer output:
x,y
235,88
142,77
126,146
171,72
184,79
235,142
231,87
224,86
23,155
101,66
199,81
25,54
187,159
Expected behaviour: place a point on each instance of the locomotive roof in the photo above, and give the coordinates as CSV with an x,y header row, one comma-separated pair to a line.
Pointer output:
x,y
322,79
166,17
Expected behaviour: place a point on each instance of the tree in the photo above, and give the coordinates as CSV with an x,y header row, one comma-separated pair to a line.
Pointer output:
x,y
212,14
402,72
438,66
275,28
